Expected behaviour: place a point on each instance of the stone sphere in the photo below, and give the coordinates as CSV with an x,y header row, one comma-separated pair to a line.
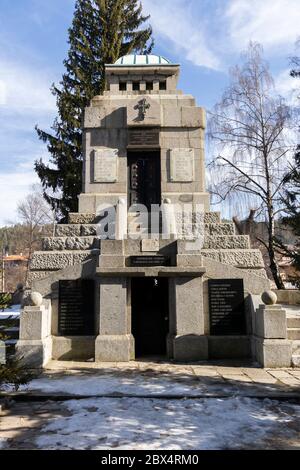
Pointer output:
x,y
36,299
269,297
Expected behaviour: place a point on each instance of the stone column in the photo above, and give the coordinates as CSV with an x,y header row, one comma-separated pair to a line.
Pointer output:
x,y
169,219
189,342
114,343
121,219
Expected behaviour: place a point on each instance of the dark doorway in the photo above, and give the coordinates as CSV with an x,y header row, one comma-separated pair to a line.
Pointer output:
x,y
144,178
150,315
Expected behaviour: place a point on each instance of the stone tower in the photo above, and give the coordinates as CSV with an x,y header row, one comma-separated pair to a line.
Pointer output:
x,y
137,292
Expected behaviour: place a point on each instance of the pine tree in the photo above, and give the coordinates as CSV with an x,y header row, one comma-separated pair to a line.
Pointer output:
x,y
101,32
292,217
292,195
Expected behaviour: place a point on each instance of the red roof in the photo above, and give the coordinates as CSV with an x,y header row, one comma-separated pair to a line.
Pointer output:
x,y
15,258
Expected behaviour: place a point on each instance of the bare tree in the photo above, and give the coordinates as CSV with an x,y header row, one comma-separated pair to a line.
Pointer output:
x,y
35,214
249,128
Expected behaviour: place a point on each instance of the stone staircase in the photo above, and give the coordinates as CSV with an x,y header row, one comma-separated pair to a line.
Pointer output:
x,y
10,327
293,331
78,241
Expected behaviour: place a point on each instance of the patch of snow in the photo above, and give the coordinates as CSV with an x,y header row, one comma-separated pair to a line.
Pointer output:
x,y
106,384
143,424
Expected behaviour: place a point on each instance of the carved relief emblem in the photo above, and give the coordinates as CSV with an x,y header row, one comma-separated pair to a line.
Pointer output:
x,y
142,107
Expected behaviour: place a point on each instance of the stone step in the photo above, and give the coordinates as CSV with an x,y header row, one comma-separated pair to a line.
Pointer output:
x,y
12,332
90,230
296,360
212,218
296,345
246,258
76,230
293,322
55,260
293,333
82,219
76,218
70,243
222,228
226,242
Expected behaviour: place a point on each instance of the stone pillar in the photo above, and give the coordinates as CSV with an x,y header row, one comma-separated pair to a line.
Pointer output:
x,y
188,342
155,85
168,219
114,343
121,219
270,346
35,343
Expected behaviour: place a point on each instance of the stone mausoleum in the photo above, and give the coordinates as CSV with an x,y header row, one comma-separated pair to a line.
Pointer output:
x,y
144,290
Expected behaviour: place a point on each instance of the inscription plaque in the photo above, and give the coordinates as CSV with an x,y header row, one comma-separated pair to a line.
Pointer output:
x,y
182,165
227,307
149,261
105,166
76,308
143,137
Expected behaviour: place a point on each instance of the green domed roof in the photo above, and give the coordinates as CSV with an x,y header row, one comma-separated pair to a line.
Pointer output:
x,y
135,59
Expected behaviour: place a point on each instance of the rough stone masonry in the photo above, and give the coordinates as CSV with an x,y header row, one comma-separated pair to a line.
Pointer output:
x,y
124,297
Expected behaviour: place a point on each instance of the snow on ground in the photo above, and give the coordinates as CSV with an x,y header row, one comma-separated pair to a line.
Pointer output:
x,y
132,423
107,384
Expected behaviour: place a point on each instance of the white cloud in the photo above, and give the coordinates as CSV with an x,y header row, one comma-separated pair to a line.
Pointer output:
x,y
274,23
3,97
25,89
174,21
288,87
17,175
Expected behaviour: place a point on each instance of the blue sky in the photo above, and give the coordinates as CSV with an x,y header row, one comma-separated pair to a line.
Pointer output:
x,y
205,36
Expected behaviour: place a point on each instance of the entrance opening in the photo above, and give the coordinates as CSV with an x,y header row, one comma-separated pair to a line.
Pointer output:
x,y
150,315
144,178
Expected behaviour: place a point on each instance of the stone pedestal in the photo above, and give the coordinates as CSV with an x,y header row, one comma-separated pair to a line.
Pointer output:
x,y
114,348
269,344
35,344
272,352
188,340
114,343
190,348
77,348
270,322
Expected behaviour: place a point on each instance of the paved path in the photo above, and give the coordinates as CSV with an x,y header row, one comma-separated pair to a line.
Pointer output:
x,y
64,380
226,374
